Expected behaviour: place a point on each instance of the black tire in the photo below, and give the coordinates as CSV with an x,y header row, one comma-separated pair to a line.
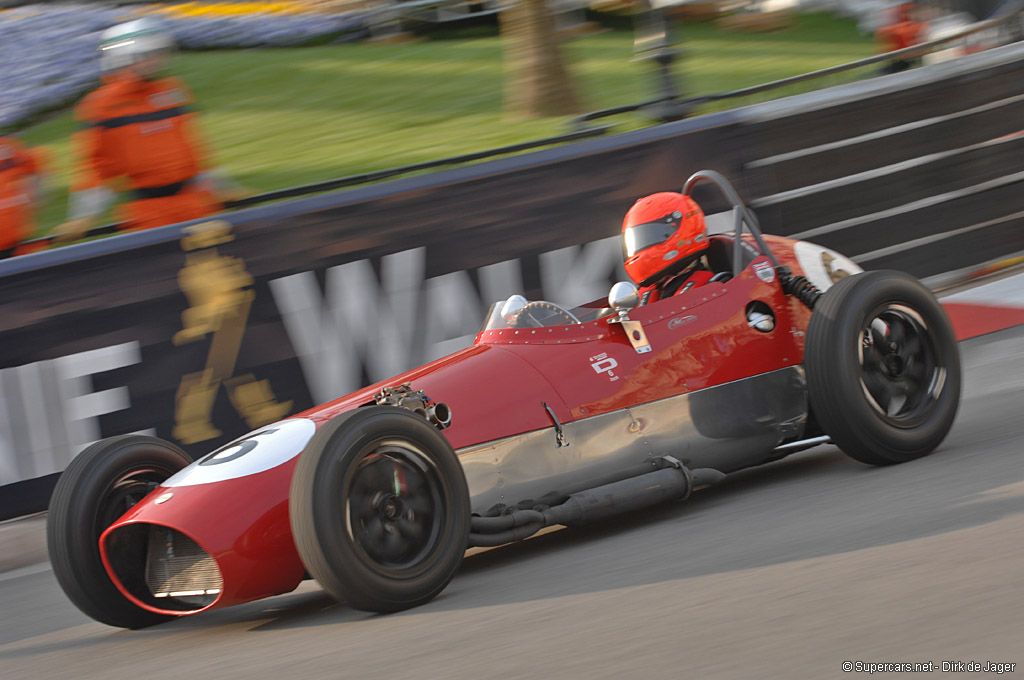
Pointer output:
x,y
380,509
100,485
883,367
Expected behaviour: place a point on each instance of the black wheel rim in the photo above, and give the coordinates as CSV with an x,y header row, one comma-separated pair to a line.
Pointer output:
x,y
901,372
394,508
125,492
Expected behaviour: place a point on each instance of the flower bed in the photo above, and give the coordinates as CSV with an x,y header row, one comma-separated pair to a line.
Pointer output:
x,y
50,57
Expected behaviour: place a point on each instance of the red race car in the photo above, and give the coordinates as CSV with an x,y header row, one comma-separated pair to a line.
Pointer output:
x,y
552,417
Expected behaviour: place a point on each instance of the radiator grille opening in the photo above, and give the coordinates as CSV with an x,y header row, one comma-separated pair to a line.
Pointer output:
x,y
163,568
177,568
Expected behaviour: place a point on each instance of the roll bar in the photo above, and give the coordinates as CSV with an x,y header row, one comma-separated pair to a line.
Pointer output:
x,y
797,286
741,215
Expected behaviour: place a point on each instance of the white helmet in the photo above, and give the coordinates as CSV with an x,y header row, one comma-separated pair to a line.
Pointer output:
x,y
127,44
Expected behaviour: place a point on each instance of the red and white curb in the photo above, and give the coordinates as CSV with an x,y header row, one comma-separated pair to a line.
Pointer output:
x,y
987,308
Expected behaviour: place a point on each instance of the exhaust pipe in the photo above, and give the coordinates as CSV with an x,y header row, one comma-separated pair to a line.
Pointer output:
x,y
440,414
635,493
628,495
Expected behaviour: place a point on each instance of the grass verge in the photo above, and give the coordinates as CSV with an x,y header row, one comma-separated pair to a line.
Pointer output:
x,y
279,118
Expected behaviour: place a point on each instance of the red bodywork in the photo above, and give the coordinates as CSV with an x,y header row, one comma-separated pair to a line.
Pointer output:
x,y
494,388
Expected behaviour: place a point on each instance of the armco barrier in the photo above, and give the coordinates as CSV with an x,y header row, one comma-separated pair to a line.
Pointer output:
x,y
901,171
198,332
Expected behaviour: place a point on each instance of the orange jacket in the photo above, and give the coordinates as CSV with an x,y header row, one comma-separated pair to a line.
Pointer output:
x,y
140,135
903,32
18,168
901,35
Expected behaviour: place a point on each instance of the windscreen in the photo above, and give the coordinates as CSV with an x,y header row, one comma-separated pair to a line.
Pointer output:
x,y
518,312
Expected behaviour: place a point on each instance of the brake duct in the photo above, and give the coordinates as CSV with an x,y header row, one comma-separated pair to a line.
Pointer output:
x,y
671,480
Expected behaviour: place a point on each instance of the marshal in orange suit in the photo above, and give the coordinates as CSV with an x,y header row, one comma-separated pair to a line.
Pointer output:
x,y
137,133
21,172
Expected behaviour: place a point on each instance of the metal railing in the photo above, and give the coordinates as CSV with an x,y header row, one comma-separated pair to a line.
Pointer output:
x,y
355,180
1003,15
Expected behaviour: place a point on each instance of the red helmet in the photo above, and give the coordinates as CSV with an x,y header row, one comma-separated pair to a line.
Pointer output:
x,y
661,234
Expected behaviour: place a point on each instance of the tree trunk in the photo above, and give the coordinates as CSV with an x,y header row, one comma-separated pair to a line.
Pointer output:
x,y
536,81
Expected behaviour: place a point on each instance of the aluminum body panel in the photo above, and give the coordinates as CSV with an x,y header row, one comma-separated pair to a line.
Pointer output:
x,y
728,427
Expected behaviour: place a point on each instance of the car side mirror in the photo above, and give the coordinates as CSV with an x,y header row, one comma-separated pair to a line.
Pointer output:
x,y
623,298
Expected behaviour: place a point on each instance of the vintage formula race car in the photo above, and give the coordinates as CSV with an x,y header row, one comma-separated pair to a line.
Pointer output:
x,y
552,417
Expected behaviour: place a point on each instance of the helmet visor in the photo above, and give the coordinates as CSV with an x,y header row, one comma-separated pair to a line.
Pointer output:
x,y
649,234
149,52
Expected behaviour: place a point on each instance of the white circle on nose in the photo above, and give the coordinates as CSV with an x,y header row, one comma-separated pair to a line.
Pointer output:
x,y
256,452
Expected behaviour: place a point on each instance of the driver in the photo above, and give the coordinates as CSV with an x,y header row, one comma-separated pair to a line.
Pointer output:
x,y
664,239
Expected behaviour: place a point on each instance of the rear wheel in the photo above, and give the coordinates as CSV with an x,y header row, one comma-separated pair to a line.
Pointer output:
x,y
102,483
380,509
883,367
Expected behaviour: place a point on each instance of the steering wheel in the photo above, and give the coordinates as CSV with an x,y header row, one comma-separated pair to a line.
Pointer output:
x,y
525,314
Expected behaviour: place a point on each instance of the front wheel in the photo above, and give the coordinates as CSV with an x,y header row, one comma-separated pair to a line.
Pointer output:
x,y
102,483
883,367
380,509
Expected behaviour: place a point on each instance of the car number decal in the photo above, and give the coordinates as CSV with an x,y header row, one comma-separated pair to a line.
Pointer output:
x,y
257,451
602,363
